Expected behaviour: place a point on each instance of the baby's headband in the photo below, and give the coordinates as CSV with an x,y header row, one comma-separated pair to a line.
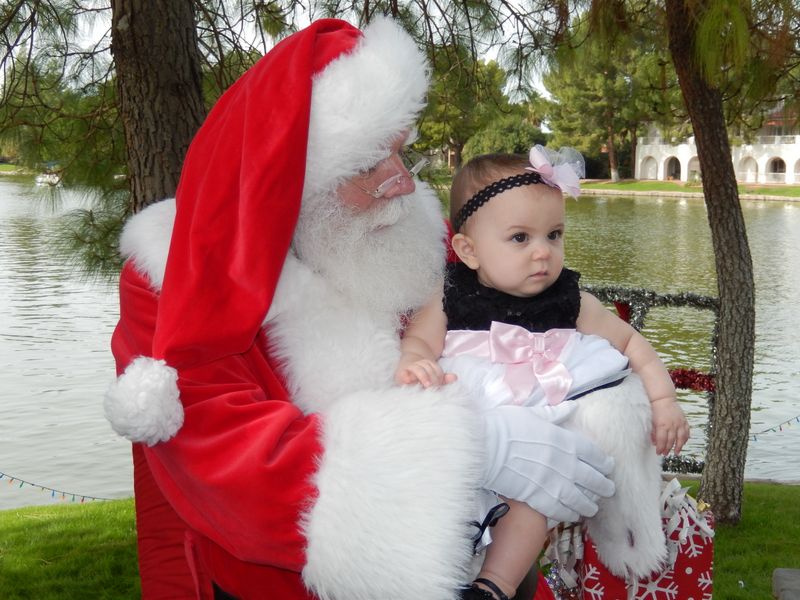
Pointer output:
x,y
560,169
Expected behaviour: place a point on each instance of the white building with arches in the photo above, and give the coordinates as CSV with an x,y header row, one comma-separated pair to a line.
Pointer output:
x,y
772,157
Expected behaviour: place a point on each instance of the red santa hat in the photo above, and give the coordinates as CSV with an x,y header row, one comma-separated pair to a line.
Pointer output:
x,y
321,106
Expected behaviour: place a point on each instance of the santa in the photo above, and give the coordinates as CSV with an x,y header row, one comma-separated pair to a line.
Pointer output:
x,y
260,316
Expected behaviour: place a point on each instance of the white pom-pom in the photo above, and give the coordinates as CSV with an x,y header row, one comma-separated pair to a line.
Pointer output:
x,y
143,404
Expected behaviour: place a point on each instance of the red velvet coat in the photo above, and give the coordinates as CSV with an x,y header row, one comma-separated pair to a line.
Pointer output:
x,y
286,448
365,496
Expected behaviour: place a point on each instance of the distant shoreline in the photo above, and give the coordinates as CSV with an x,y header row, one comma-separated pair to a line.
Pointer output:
x,y
668,475
676,194
614,189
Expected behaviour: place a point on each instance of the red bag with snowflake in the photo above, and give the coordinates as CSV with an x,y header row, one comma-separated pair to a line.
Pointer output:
x,y
572,570
690,541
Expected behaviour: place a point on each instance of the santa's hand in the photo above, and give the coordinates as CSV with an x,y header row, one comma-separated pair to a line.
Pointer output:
x,y
530,458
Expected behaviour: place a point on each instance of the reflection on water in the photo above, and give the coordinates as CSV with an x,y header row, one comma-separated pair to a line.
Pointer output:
x,y
664,245
54,332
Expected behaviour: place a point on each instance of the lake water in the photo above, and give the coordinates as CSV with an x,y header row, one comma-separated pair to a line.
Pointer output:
x,y
665,245
55,361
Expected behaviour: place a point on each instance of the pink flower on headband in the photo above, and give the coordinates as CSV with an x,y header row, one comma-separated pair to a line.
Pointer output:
x,y
561,169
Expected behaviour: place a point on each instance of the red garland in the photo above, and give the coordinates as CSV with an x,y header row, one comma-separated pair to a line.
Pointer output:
x,y
691,379
623,310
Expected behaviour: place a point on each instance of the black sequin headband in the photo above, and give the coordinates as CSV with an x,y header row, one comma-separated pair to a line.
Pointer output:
x,y
491,190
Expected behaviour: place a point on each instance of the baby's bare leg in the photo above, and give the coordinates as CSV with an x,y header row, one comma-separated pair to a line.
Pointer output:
x,y
517,540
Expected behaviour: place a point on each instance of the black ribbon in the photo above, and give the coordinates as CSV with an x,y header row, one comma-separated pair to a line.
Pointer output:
x,y
490,520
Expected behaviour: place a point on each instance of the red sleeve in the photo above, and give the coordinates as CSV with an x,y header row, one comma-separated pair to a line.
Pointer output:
x,y
239,471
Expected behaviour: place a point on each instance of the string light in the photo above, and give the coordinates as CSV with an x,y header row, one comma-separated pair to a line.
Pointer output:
x,y
22,482
775,428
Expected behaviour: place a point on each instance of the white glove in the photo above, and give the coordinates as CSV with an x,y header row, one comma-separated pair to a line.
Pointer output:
x,y
530,458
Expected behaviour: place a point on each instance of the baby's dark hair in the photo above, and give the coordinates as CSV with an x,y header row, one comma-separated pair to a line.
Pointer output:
x,y
480,172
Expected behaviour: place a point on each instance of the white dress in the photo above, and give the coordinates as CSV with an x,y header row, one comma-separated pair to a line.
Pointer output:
x,y
510,365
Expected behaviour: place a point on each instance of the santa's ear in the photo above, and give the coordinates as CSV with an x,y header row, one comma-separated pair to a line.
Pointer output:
x,y
465,249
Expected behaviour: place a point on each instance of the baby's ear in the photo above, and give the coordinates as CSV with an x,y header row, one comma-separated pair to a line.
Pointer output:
x,y
465,249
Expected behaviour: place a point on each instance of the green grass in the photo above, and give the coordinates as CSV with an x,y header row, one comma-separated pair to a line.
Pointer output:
x,y
767,538
89,550
789,191
16,174
69,551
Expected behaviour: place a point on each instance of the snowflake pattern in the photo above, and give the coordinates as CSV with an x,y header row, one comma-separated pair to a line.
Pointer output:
x,y
662,587
706,583
688,574
592,585
692,540
671,584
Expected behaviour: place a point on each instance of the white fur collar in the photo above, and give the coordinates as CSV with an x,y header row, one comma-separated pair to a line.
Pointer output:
x,y
145,239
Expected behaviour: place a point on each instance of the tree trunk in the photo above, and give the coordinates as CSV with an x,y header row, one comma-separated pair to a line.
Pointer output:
x,y
457,149
729,416
634,143
154,44
613,167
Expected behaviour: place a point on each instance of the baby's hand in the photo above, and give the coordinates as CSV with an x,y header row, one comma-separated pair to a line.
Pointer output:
x,y
425,372
670,427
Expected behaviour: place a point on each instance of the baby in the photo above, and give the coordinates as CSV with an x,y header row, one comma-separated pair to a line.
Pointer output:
x,y
515,328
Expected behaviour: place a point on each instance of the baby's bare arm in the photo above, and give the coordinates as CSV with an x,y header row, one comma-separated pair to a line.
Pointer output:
x,y
422,345
670,427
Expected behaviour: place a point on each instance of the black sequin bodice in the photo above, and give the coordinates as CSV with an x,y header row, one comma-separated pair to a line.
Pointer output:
x,y
470,305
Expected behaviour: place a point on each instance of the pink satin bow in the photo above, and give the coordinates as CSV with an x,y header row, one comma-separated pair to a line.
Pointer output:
x,y
561,176
530,358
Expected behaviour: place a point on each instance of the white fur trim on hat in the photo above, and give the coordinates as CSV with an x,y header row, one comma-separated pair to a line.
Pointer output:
x,y
143,403
360,102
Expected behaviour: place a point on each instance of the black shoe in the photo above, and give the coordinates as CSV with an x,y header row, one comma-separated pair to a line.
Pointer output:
x,y
477,593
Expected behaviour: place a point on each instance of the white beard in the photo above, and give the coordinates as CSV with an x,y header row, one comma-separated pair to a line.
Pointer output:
x,y
387,259
335,318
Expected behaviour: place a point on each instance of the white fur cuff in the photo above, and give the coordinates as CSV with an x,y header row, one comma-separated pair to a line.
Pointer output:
x,y
143,404
396,494
627,528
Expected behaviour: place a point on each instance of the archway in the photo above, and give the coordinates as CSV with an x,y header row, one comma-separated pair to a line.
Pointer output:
x,y
673,170
693,170
649,168
748,170
776,171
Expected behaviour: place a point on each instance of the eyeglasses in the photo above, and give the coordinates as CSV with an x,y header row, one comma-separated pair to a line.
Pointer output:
x,y
413,163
